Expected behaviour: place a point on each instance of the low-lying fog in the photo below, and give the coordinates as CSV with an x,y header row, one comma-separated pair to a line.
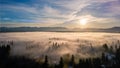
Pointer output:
x,y
56,44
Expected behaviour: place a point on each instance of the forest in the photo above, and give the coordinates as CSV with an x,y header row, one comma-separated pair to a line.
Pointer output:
x,y
110,58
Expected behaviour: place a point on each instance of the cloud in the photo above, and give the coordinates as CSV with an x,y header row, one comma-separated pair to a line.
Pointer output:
x,y
60,11
92,22
95,10
115,8
33,14
6,18
107,9
35,44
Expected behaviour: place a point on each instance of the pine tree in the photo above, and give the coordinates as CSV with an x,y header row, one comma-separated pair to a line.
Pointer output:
x,y
45,64
61,64
72,61
105,46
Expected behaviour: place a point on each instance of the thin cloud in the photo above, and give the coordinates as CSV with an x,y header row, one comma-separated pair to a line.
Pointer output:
x,y
60,11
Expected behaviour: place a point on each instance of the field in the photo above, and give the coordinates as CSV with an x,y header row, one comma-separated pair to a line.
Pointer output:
x,y
56,44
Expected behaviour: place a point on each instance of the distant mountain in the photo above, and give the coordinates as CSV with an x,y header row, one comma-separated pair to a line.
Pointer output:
x,y
30,29
57,29
113,29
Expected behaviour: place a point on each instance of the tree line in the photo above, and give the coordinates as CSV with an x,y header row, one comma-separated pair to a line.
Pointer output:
x,y
110,58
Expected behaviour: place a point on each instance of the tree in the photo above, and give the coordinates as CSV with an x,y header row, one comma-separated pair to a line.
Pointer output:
x,y
105,47
45,64
72,61
111,49
61,64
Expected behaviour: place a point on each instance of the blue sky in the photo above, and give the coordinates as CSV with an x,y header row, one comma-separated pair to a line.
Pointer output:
x,y
64,13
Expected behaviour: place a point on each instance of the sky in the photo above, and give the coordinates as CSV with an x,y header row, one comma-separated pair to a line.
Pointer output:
x,y
60,13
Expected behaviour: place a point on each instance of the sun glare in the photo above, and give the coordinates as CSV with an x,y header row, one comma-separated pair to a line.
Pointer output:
x,y
83,21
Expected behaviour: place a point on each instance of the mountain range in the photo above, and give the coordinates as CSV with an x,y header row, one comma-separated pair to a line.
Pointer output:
x,y
58,29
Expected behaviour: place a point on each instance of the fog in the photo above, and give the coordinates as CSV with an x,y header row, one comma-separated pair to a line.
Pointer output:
x,y
56,44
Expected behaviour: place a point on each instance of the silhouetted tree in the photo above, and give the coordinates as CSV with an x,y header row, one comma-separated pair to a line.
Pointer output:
x,y
61,63
45,64
7,61
117,54
105,46
111,49
72,61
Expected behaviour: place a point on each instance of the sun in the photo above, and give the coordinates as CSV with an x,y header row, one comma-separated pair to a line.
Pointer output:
x,y
83,21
